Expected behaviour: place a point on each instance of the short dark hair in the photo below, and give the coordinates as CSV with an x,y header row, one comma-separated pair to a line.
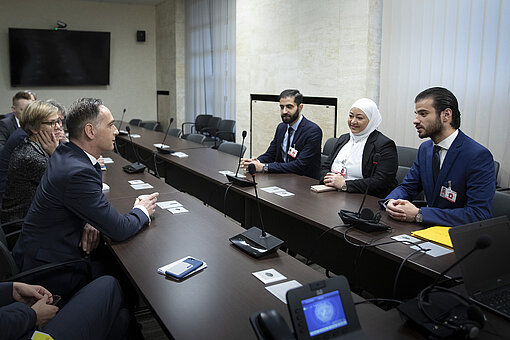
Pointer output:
x,y
298,97
20,95
59,106
82,112
443,99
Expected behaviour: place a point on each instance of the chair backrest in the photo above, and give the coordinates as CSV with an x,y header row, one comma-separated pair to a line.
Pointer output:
x,y
329,145
8,267
151,125
201,122
226,130
501,204
496,169
324,158
174,132
195,137
406,155
135,122
232,148
402,173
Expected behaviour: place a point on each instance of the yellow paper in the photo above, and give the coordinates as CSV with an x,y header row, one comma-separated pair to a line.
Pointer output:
x,y
41,336
436,234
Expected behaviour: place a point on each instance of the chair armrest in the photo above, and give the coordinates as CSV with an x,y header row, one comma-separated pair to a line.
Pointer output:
x,y
187,123
51,266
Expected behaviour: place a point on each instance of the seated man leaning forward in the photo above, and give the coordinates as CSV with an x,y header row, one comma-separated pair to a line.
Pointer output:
x,y
70,195
296,146
455,172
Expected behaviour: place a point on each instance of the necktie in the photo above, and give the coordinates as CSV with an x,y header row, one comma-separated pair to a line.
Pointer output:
x,y
98,169
290,131
436,162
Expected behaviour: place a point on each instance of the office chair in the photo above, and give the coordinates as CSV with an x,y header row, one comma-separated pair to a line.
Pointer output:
x,y
196,138
135,122
232,148
198,125
406,155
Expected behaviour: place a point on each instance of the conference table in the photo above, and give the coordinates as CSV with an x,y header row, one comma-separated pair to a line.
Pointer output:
x,y
214,303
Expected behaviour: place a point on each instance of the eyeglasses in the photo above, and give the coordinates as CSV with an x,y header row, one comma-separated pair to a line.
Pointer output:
x,y
53,123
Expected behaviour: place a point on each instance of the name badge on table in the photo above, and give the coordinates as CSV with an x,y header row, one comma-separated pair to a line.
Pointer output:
x,y
292,152
448,193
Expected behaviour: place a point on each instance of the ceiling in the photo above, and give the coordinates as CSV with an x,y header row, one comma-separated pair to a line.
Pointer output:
x,y
133,2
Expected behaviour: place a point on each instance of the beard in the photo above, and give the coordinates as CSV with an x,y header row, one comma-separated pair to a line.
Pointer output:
x,y
292,118
432,130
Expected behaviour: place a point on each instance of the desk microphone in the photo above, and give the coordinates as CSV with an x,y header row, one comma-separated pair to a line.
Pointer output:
x,y
451,313
239,181
122,132
162,148
255,241
137,166
365,219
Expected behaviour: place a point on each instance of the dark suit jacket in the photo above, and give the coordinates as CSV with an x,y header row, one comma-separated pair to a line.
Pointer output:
x,y
384,179
17,320
307,141
470,168
5,155
7,127
69,195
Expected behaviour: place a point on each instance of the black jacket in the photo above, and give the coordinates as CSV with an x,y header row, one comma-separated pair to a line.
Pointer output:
x,y
384,177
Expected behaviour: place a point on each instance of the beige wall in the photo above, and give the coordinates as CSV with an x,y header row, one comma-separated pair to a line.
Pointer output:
x,y
170,60
132,64
324,48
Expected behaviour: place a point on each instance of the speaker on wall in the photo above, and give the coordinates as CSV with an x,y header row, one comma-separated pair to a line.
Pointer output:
x,y
140,36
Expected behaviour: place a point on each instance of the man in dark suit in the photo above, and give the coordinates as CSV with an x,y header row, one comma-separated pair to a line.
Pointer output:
x,y
69,199
95,312
10,122
296,146
454,171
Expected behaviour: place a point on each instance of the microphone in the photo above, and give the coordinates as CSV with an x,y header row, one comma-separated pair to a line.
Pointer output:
x,y
365,219
122,132
254,241
137,166
162,148
239,181
443,317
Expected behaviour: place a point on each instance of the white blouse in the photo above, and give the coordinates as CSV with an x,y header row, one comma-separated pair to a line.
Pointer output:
x,y
350,158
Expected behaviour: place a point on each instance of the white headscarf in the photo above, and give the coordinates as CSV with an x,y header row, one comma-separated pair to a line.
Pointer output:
x,y
370,109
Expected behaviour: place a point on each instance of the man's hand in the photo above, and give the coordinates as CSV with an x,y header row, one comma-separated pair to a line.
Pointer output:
x,y
401,210
28,294
246,161
334,180
90,238
44,311
148,201
47,140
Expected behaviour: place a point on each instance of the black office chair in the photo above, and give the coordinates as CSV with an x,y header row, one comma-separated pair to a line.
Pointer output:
x,y
402,173
174,132
135,122
151,125
328,149
406,155
9,271
198,125
501,204
232,148
196,138
225,133
212,127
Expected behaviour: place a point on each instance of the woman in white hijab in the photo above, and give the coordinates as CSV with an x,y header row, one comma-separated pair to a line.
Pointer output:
x,y
349,166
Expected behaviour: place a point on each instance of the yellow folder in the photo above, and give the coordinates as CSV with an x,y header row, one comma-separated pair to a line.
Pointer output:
x,y
436,234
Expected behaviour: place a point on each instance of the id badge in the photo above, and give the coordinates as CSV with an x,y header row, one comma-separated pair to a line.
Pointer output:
x,y
292,152
343,171
448,194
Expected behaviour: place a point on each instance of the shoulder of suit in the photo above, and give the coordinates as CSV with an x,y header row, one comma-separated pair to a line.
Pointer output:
x,y
378,136
470,144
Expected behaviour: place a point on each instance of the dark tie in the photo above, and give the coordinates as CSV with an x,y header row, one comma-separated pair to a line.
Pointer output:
x,y
98,169
290,131
436,162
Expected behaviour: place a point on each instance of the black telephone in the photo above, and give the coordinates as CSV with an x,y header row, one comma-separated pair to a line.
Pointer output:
x,y
319,310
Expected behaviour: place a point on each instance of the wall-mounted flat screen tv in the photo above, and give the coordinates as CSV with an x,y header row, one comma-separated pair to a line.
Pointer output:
x,y
58,57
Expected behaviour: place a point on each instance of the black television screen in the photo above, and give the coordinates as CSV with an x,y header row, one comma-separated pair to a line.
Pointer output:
x,y
58,57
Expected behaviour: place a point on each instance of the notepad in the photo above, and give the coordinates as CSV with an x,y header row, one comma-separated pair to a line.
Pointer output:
x,y
436,234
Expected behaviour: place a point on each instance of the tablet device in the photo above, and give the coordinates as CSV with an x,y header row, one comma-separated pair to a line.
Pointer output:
x,y
324,310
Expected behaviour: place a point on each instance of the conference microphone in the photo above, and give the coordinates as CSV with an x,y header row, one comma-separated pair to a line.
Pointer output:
x,y
137,166
239,181
254,241
122,132
162,148
446,315
365,219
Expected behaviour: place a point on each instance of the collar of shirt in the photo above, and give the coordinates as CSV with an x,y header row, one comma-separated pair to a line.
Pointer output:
x,y
93,159
17,121
296,124
445,144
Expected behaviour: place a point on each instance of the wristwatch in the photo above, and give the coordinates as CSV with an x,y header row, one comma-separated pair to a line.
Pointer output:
x,y
344,187
266,167
419,217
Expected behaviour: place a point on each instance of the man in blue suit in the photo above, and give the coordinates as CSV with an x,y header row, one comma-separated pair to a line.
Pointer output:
x,y
69,204
95,312
455,172
296,146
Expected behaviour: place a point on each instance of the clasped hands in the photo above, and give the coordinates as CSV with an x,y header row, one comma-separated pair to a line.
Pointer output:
x,y
247,161
38,298
401,210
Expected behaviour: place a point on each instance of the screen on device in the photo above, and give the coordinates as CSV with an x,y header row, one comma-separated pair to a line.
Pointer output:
x,y
324,313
